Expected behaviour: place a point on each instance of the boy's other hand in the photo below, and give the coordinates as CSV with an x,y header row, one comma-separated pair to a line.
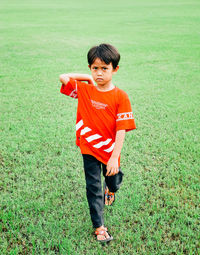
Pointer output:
x,y
112,166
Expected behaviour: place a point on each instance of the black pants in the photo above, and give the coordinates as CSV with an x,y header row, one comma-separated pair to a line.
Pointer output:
x,y
95,196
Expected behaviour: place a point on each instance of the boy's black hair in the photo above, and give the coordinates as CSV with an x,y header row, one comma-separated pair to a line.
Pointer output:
x,y
106,52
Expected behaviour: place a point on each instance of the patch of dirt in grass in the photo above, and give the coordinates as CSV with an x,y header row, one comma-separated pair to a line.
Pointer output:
x,y
1,160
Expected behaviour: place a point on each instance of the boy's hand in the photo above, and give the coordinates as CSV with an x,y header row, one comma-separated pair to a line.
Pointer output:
x,y
112,166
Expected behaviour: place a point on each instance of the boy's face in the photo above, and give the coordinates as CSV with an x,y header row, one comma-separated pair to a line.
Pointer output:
x,y
102,73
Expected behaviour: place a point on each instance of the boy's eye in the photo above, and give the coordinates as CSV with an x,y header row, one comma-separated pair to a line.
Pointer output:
x,y
95,68
105,68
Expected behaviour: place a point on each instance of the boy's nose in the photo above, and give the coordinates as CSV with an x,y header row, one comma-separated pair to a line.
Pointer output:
x,y
99,72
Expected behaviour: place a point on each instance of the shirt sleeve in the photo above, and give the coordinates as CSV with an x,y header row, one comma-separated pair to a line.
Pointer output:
x,y
70,89
124,118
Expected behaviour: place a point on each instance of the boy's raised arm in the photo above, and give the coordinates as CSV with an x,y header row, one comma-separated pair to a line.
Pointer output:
x,y
64,78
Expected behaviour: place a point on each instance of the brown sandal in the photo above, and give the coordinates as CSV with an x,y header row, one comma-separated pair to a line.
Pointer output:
x,y
103,232
109,197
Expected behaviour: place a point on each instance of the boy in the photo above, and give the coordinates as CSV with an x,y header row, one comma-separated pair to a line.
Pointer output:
x,y
103,116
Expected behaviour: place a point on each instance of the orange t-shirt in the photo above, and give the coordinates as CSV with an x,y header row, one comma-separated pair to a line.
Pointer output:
x,y
100,115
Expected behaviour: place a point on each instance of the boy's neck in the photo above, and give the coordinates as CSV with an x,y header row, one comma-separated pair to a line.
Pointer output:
x,y
105,87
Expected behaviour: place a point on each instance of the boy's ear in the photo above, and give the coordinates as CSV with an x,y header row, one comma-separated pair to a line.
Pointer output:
x,y
89,66
116,69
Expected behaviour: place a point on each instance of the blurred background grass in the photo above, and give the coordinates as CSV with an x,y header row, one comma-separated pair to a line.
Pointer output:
x,y
43,204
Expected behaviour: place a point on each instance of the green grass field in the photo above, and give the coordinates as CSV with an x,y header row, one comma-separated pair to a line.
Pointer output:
x,y
42,187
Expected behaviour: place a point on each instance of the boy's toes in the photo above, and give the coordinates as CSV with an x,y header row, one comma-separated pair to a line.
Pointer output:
x,y
103,235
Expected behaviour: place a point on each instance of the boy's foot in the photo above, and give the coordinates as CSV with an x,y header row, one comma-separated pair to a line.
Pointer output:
x,y
103,235
109,197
